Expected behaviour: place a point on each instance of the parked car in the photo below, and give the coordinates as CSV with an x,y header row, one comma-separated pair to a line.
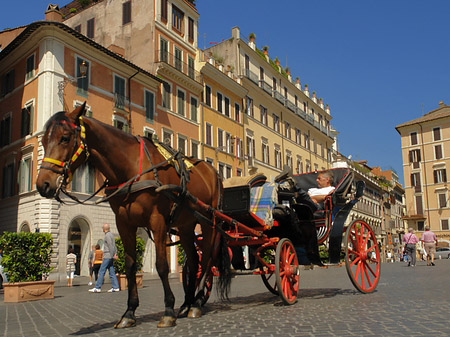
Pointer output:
x,y
443,253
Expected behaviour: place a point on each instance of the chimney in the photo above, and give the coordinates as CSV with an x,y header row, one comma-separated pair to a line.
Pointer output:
x,y
53,14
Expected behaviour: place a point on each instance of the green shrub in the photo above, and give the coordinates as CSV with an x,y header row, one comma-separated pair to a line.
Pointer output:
x,y
84,3
26,256
72,10
119,264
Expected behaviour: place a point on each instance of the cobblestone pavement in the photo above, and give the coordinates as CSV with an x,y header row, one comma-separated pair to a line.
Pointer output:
x,y
408,302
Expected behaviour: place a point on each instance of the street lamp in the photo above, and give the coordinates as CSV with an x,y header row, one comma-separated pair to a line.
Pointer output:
x,y
62,84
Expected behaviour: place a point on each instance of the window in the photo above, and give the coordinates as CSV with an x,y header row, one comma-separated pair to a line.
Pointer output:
x,y
194,108
119,92
180,103
177,19
182,144
7,82
287,128
8,181
78,29
163,50
289,159
90,28
191,30
120,123
5,131
126,12
298,137
178,59
265,151
239,172
308,166
25,174
167,137
414,158
250,146
149,106
220,169
444,225
227,107
249,106
419,205
238,147
30,68
274,84
220,139
263,114
191,68
149,133
229,143
440,176
415,181
299,165
209,161
194,149
166,95
164,10
219,106
436,134
208,94
413,138
442,199
277,157
261,73
82,80
26,127
237,112
228,170
208,134
438,151
84,179
276,123
307,145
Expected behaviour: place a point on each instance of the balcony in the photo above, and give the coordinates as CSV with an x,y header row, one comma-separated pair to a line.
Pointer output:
x,y
265,86
119,101
291,106
310,119
251,76
279,97
178,64
300,112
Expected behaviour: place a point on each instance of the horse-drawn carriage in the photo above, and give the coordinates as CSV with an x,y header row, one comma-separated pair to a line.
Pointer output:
x,y
150,186
283,234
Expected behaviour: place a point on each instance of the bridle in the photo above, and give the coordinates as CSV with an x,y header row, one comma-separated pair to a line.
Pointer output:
x,y
65,174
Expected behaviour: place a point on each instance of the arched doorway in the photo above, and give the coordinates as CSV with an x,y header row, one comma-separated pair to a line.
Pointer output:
x,y
78,238
25,227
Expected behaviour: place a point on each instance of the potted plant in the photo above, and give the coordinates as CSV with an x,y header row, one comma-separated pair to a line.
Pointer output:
x,y
277,61
180,260
119,264
265,50
26,259
252,37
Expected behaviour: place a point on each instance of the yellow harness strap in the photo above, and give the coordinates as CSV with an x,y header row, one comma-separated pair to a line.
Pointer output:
x,y
166,154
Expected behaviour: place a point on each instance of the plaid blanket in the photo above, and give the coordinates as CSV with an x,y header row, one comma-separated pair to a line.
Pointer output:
x,y
262,201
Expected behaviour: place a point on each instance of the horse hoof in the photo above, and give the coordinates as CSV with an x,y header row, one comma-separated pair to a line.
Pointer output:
x,y
195,312
125,323
167,322
183,312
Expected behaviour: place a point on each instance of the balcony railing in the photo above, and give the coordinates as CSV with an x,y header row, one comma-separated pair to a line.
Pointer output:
x,y
291,106
119,101
266,87
178,64
310,119
251,76
279,97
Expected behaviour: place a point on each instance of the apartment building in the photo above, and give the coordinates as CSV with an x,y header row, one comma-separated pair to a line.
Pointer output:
x,y
222,131
283,125
425,144
161,37
48,66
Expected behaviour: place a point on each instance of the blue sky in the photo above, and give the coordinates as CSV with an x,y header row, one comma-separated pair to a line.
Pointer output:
x,y
376,63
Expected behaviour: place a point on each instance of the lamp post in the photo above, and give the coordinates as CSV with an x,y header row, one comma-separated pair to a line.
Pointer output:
x,y
62,84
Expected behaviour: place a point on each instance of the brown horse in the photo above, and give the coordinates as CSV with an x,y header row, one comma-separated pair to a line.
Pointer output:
x,y
71,139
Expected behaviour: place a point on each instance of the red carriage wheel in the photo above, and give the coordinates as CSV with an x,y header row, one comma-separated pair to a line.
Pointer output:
x,y
287,271
362,256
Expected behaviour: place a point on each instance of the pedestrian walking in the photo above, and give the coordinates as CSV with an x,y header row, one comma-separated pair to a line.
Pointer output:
x,y
91,264
410,240
71,259
109,255
98,259
429,244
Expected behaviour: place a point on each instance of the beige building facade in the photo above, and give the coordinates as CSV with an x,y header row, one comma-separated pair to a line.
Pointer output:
x,y
425,145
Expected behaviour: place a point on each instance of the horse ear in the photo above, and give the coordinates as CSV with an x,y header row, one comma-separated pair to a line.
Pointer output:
x,y
79,111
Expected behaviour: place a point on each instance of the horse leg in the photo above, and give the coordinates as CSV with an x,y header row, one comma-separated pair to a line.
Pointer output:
x,y
169,318
129,244
191,263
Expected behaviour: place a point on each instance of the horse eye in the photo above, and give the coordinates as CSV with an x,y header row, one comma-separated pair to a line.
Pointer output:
x,y
65,139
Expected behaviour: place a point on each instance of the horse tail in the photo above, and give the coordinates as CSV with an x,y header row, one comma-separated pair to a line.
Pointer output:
x,y
224,268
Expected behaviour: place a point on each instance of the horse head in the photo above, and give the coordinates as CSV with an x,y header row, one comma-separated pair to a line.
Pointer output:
x,y
64,150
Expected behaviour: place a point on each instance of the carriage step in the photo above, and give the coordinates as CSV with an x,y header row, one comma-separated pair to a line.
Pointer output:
x,y
340,264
